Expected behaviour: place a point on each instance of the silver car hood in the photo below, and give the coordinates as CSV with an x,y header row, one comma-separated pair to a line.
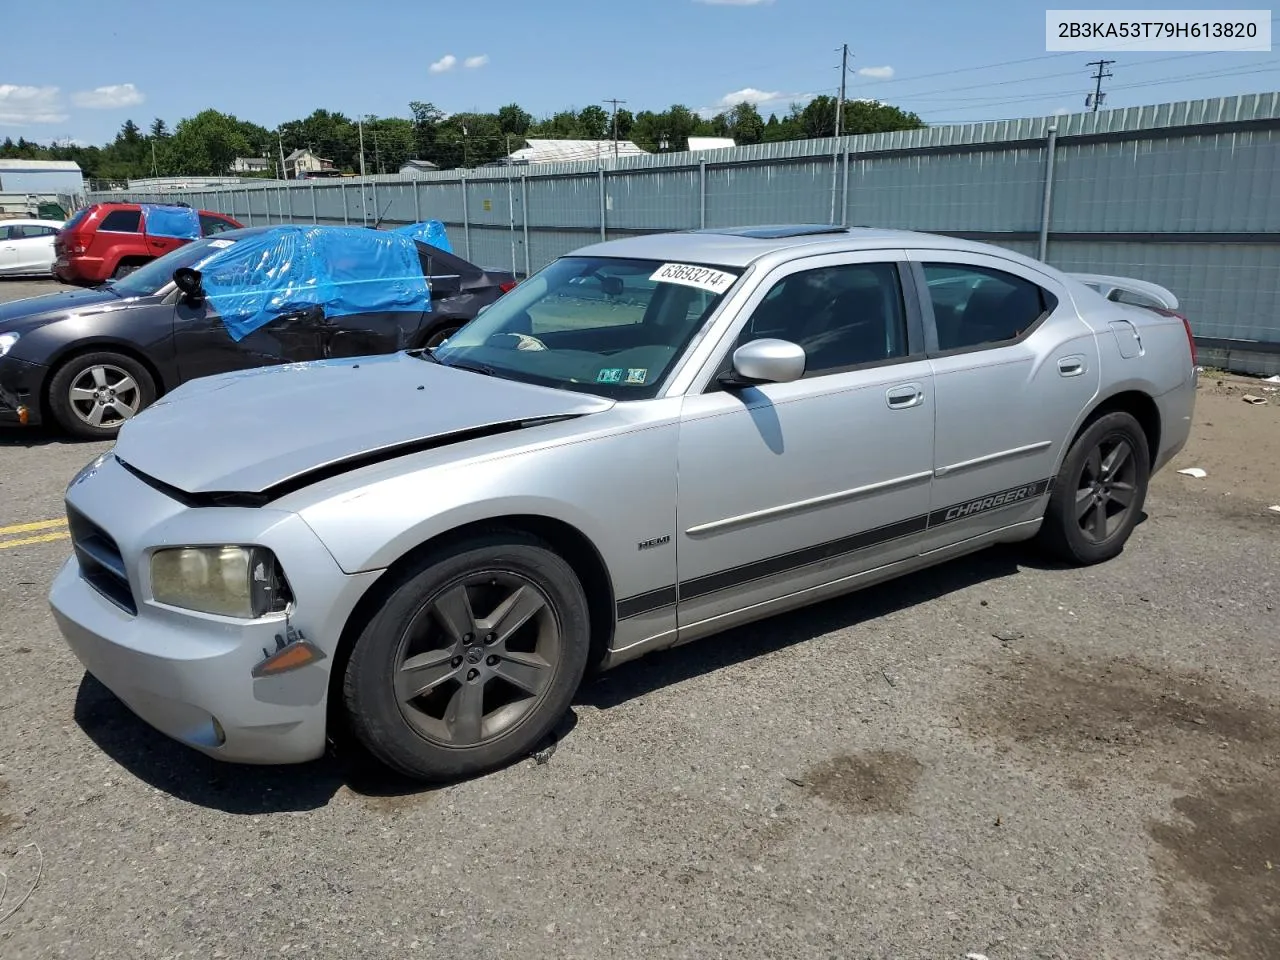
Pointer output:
x,y
258,429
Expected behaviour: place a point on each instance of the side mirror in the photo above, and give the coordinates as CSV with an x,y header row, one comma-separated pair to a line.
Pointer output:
x,y
189,282
766,361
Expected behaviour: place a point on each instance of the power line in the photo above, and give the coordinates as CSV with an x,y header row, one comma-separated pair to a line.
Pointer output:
x,y
1095,99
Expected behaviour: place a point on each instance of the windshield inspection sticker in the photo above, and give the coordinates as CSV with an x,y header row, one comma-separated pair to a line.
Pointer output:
x,y
704,278
637,374
609,375
222,244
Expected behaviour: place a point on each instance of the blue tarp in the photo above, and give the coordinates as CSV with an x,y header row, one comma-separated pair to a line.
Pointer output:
x,y
429,231
163,220
286,269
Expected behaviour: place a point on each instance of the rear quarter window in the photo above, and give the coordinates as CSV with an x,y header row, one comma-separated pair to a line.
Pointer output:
x,y
122,221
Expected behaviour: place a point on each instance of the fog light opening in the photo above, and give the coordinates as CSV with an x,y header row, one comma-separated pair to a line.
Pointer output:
x,y
219,734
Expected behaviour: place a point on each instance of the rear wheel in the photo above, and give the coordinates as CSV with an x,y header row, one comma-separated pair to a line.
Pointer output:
x,y
1099,492
92,395
124,269
473,657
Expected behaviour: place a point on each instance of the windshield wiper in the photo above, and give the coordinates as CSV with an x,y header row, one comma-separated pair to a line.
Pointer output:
x,y
473,367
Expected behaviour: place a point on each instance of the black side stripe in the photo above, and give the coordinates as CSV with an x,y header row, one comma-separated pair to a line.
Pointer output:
x,y
643,603
652,600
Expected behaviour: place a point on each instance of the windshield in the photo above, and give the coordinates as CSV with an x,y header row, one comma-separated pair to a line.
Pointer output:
x,y
602,325
147,280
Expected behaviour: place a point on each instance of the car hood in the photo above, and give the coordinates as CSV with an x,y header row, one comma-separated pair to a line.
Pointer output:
x,y
261,430
19,316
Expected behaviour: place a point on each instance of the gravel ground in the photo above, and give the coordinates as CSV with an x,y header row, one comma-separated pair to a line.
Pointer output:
x,y
997,756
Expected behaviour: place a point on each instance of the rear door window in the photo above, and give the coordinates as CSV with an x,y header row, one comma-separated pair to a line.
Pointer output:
x,y
122,221
209,225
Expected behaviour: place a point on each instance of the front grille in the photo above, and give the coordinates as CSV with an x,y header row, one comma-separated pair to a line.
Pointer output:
x,y
100,561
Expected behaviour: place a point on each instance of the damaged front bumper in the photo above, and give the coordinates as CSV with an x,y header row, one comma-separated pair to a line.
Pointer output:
x,y
21,385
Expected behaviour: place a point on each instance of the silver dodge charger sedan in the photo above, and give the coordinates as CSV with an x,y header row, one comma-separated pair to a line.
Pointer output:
x,y
648,441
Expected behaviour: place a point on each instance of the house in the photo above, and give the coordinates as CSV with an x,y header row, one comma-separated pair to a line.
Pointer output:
x,y
412,168
250,165
303,163
568,151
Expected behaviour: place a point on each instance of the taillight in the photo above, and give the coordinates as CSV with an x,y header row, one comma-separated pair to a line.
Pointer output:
x,y
1191,340
506,286
1186,325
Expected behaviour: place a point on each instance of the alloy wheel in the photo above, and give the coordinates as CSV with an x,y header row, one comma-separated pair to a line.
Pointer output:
x,y
1107,490
477,658
104,395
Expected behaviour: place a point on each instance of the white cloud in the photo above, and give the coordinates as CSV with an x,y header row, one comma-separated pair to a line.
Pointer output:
x,y
472,62
1061,111
109,98
749,95
444,64
735,3
22,105
879,73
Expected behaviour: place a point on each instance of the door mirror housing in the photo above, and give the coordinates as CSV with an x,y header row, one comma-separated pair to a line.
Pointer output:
x,y
766,361
189,282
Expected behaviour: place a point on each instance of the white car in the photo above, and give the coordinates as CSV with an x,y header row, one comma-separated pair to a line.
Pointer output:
x,y
26,247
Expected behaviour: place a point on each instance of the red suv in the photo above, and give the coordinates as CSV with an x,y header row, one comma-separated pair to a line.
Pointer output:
x,y
105,241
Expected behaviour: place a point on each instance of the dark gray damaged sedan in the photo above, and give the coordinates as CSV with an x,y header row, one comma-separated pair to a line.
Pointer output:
x,y
88,360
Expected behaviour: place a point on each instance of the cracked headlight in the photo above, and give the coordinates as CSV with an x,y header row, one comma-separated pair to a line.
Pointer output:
x,y
7,340
231,581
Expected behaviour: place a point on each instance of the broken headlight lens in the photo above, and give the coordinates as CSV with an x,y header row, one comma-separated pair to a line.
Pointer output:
x,y
230,581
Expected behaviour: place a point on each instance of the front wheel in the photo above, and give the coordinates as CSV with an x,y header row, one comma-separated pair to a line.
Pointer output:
x,y
92,395
1099,491
473,657
440,334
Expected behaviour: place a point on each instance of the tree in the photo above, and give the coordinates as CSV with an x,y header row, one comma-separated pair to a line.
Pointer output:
x,y
158,129
745,124
514,121
206,144
626,122
593,124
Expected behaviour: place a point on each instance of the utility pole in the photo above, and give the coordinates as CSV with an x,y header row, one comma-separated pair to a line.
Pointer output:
x,y
844,75
614,124
360,125
155,170
1095,99
835,144
280,141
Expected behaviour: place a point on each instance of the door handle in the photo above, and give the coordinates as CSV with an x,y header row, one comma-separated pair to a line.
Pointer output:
x,y
1071,366
905,396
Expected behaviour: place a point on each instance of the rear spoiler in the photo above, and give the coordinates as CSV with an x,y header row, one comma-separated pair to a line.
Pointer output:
x,y
1140,293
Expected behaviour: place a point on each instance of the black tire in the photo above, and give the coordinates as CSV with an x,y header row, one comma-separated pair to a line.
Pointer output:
x,y
400,728
74,412
1086,521
438,335
124,269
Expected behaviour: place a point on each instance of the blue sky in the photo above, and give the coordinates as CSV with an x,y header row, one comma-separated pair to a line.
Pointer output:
x,y
81,73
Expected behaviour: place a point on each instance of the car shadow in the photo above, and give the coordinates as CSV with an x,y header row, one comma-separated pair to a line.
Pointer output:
x,y
32,437
664,668
246,789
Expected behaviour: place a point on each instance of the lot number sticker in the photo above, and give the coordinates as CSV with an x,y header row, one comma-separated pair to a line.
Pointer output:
x,y
704,278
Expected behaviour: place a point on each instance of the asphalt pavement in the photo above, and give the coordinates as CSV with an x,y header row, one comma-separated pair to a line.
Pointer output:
x,y
998,757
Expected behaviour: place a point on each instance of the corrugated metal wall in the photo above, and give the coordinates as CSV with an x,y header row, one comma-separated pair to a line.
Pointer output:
x,y
1184,194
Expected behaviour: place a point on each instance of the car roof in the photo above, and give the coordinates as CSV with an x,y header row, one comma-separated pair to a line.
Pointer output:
x,y
29,222
739,247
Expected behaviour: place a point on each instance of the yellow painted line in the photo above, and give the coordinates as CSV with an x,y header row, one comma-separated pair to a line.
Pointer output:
x,y
27,541
28,527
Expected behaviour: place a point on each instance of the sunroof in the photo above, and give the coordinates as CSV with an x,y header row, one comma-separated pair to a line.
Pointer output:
x,y
777,232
